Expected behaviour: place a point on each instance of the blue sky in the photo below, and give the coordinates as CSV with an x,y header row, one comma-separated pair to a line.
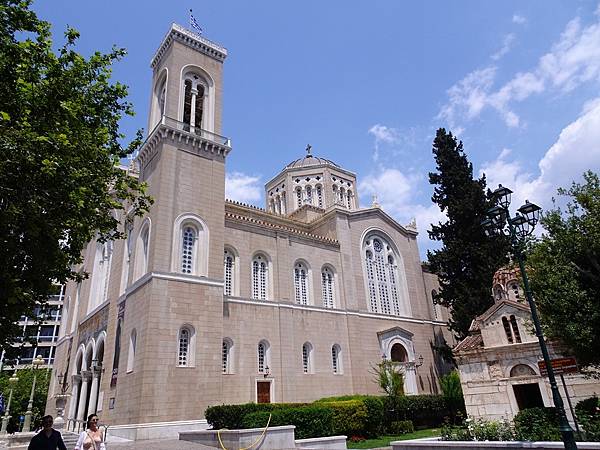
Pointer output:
x,y
368,83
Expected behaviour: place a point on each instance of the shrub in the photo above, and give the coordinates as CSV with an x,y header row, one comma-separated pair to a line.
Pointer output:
x,y
400,427
537,424
349,417
490,430
375,411
310,421
453,395
588,414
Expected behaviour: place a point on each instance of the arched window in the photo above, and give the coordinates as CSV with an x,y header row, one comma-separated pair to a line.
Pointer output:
x,y
100,274
117,353
141,250
521,370
190,245
342,196
327,287
435,306
301,283
278,205
229,268
498,293
398,353
263,357
131,355
386,288
336,362
186,344
226,356
319,196
309,196
307,363
193,103
299,196
349,199
507,331
515,329
260,269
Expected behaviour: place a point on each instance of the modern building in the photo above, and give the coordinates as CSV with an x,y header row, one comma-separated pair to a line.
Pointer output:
x,y
211,301
40,333
498,361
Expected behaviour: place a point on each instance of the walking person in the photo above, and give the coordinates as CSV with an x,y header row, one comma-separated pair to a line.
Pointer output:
x,y
48,438
93,437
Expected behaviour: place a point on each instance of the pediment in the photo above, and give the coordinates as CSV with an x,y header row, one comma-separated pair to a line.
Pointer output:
x,y
502,308
394,332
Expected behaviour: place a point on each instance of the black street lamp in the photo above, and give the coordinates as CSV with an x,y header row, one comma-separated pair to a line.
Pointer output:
x,y
517,228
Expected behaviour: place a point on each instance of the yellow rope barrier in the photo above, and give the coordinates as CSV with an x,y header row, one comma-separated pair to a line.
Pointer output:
x,y
254,443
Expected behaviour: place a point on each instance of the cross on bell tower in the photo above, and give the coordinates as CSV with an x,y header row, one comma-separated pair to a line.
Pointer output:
x,y
308,150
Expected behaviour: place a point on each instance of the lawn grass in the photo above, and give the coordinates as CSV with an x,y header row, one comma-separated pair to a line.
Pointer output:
x,y
384,441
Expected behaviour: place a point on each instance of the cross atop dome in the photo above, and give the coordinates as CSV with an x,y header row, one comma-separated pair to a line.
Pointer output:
x,y
309,150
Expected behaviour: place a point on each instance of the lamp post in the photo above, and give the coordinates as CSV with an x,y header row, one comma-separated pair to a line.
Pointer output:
x,y
38,361
12,381
517,228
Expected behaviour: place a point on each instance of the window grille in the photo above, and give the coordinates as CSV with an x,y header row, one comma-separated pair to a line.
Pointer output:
x,y
515,329
187,249
309,195
305,356
184,344
228,267
225,357
381,270
299,197
320,196
507,330
300,283
259,278
327,287
261,357
334,359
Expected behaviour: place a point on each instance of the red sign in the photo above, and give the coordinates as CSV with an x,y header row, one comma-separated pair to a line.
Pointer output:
x,y
560,366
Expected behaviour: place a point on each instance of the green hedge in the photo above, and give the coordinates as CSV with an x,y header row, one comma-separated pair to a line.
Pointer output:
x,y
349,417
425,411
232,416
310,421
537,424
400,427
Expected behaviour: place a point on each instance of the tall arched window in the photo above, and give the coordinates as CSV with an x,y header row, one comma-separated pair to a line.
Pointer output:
x,y
260,268
141,251
327,287
189,251
193,103
319,196
398,353
515,329
387,292
185,346
349,199
229,267
309,195
299,196
507,331
301,283
336,362
131,355
263,357
226,363
100,274
307,363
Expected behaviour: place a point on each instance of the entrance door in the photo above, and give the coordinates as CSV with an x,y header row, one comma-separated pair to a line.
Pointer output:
x,y
528,395
263,392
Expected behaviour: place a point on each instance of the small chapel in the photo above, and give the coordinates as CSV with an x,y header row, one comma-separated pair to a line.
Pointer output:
x,y
211,301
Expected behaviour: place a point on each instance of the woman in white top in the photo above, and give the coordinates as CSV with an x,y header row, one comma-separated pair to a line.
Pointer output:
x,y
93,437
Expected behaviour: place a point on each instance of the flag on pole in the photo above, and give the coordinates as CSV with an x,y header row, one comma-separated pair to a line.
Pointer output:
x,y
194,23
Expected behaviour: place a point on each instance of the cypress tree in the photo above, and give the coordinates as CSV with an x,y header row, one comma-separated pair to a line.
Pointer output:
x,y
467,260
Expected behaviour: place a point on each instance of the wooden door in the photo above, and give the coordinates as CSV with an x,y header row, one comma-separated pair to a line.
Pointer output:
x,y
263,392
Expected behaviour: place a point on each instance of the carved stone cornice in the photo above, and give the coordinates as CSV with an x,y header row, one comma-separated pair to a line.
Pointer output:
x,y
189,39
183,140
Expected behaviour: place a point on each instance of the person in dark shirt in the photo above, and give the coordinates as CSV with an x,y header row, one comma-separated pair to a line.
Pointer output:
x,y
48,438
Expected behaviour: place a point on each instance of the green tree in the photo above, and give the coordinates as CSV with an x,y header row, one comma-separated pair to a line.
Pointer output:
x,y
22,392
60,152
390,378
565,271
466,263
452,393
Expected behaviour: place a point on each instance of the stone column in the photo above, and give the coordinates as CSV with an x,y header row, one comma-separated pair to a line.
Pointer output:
x,y
94,393
193,110
81,409
410,383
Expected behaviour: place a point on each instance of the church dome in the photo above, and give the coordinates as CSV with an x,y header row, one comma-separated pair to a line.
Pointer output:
x,y
308,161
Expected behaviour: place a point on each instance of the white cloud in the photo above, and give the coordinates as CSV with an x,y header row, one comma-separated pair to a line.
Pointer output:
x,y
396,193
507,43
243,188
519,20
383,135
576,150
573,60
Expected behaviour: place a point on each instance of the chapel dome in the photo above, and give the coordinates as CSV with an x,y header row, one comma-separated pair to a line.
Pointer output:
x,y
308,161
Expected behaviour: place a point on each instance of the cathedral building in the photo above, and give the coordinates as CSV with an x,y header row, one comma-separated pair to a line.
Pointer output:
x,y
210,301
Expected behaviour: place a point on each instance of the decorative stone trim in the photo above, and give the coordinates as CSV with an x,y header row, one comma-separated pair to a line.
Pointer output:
x,y
185,140
190,39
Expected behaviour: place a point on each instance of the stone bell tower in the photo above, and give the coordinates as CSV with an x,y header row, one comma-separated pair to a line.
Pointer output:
x,y
173,303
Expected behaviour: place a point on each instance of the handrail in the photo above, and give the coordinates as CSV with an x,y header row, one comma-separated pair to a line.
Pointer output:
x,y
182,126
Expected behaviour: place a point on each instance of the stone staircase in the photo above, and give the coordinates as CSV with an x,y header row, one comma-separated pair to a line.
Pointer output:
x,y
69,438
